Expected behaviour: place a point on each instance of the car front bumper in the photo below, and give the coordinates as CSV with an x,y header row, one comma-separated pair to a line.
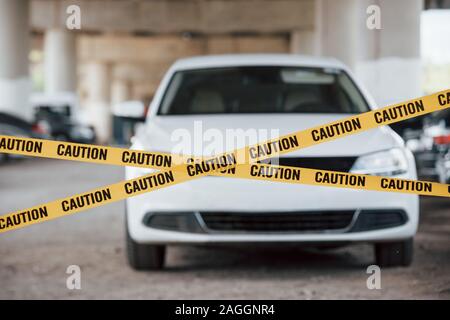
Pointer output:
x,y
219,194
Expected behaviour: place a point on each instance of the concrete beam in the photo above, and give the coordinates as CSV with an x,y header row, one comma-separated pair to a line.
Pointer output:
x,y
139,72
144,60
247,44
174,16
164,50
123,49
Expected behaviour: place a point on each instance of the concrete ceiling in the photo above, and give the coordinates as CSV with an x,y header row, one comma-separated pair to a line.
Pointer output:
x,y
175,16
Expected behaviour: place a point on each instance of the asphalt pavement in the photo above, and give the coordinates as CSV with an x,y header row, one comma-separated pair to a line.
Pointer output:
x,y
34,260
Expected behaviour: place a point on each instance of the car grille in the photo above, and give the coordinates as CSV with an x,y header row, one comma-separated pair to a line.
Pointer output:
x,y
342,164
303,221
377,219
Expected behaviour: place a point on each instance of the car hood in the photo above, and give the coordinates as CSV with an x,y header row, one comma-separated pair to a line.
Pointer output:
x,y
215,134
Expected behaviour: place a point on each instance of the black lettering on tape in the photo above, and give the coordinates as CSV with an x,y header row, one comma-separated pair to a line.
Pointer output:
x,y
149,159
444,99
398,112
340,179
86,200
406,185
211,165
149,182
228,171
17,219
336,129
85,152
15,144
279,173
273,147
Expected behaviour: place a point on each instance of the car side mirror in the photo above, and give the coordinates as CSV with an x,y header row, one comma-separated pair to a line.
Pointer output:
x,y
130,110
127,116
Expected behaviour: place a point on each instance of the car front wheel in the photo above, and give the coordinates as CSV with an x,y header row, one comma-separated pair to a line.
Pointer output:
x,y
393,254
144,256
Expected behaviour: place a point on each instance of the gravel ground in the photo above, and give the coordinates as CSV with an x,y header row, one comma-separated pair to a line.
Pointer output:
x,y
33,260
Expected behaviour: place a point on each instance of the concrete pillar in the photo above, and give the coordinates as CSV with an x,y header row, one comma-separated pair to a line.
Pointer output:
x,y
97,104
120,91
387,60
60,61
338,29
308,41
15,85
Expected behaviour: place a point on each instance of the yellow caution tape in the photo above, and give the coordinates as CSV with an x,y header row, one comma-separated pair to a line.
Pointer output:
x,y
86,153
94,198
301,139
337,179
148,183
245,157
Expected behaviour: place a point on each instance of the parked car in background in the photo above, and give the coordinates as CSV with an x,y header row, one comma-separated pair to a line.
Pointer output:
x,y
59,113
440,121
407,126
61,126
443,165
270,92
421,143
429,144
411,130
11,125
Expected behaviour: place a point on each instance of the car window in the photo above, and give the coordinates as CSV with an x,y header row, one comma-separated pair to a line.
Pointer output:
x,y
262,90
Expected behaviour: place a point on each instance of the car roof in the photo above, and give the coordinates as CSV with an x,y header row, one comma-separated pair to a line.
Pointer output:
x,y
229,60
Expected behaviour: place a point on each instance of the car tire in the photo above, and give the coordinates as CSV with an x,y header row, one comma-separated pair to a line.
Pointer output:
x,y
394,254
144,256
3,158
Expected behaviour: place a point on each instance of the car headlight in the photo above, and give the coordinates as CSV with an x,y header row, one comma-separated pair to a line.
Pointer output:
x,y
384,163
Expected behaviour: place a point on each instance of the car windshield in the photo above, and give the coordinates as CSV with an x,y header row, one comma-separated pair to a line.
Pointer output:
x,y
262,90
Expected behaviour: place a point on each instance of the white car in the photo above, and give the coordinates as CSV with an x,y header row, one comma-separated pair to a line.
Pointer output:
x,y
202,98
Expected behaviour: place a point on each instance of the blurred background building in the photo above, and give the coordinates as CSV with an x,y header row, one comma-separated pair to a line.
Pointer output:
x,y
123,47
